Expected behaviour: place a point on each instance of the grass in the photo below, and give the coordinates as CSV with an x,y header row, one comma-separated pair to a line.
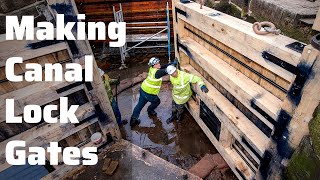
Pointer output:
x,y
302,33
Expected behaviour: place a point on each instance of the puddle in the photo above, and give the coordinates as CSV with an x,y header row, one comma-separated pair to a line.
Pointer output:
x,y
182,144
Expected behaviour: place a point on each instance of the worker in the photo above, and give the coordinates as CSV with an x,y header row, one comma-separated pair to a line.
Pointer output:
x,y
150,89
107,81
181,90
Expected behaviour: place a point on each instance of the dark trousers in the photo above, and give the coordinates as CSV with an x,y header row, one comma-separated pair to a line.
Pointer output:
x,y
143,99
177,110
116,111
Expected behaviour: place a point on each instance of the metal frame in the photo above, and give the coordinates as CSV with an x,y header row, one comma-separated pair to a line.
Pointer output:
x,y
118,17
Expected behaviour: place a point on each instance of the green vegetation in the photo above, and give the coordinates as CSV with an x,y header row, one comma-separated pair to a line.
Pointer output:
x,y
225,8
305,162
314,127
303,33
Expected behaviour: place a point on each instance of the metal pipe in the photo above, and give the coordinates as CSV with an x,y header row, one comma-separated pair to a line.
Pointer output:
x,y
159,22
150,47
168,27
147,27
146,39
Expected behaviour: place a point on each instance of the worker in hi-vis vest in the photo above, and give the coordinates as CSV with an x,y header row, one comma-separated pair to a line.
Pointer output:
x,y
150,88
106,83
181,90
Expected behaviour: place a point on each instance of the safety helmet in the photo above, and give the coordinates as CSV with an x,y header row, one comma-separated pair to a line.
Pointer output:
x,y
153,61
101,72
171,69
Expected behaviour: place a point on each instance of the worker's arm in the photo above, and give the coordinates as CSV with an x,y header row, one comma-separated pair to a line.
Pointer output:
x,y
196,79
111,81
174,63
162,71
114,81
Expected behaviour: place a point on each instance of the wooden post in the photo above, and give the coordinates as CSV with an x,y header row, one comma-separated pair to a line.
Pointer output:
x,y
83,48
316,24
214,46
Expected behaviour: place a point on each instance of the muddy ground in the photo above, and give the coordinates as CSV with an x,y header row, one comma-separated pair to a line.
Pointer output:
x,y
182,144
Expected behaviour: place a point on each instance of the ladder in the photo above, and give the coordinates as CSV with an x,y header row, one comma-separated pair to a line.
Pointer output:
x,y
118,17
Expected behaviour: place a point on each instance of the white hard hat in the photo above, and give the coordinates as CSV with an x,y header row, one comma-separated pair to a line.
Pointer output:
x,y
153,61
171,69
101,72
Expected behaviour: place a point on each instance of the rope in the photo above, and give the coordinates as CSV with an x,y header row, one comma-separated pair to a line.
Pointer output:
x,y
267,26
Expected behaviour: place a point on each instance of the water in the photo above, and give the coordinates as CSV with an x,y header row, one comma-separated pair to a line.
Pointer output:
x,y
182,144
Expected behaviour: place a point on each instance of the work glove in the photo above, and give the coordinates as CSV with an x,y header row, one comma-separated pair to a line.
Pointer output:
x,y
175,62
204,89
117,82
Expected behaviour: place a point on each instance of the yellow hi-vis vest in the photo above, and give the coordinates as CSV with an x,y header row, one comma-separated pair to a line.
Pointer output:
x,y
181,91
151,85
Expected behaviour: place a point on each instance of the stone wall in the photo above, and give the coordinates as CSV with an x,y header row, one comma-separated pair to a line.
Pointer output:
x,y
274,13
241,3
281,12
305,162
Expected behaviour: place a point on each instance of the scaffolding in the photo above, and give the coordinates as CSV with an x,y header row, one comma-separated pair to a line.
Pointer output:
x,y
139,39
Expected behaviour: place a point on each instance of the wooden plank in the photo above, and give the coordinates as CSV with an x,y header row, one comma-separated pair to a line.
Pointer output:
x,y
310,99
238,35
84,134
237,104
236,65
240,164
238,124
226,138
309,56
102,99
275,91
6,87
19,49
240,86
37,94
299,112
232,159
11,130
184,59
41,136
73,140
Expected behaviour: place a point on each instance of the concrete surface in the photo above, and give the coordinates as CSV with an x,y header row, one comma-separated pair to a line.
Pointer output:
x,y
302,7
285,13
134,163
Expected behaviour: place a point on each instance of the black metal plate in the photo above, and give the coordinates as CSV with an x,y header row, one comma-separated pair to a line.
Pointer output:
x,y
296,46
211,121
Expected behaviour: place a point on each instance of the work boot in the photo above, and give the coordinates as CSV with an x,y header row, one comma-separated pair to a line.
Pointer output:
x,y
179,117
123,122
134,122
152,113
170,120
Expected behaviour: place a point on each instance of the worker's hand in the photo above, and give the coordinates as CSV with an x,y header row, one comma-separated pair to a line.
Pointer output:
x,y
175,62
117,82
204,89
